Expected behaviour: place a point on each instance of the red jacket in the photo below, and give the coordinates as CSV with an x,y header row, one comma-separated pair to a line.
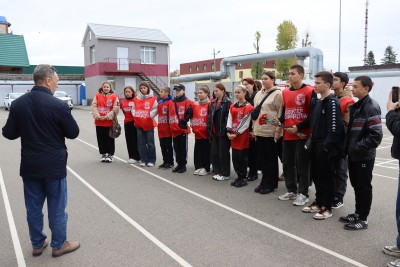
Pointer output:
x,y
184,108
142,113
126,107
238,123
297,109
104,106
199,120
163,115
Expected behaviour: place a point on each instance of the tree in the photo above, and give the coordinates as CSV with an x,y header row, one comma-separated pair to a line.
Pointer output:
x,y
389,56
257,68
370,59
286,39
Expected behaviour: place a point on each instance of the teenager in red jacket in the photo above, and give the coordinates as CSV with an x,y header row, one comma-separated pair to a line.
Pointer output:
x,y
129,125
180,113
144,109
105,106
297,101
238,132
164,132
202,145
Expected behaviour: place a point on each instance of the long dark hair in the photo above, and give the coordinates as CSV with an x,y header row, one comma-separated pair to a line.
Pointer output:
x,y
244,90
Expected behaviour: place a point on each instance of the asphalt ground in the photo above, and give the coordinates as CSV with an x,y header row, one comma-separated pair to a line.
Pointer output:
x,y
126,215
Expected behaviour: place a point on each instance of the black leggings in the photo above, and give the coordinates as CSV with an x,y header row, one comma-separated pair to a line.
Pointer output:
x,y
106,143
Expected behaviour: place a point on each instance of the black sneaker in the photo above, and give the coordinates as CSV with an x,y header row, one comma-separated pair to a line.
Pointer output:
x,y
168,166
103,158
182,169
358,224
337,203
241,183
258,189
162,166
265,191
176,169
252,177
233,183
349,218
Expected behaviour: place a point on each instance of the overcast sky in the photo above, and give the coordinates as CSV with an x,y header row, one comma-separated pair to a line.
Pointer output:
x,y
54,30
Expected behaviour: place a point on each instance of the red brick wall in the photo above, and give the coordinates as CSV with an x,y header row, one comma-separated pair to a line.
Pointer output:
x,y
185,67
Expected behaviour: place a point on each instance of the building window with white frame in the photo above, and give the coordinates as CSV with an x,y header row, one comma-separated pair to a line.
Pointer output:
x,y
190,68
148,54
205,67
197,68
92,55
212,66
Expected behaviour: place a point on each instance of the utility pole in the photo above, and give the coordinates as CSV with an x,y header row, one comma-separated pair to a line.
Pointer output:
x,y
366,32
215,64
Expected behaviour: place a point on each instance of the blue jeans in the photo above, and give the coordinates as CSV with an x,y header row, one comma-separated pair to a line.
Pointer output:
x,y
36,191
146,147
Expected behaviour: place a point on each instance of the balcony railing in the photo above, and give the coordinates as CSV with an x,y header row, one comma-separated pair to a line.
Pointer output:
x,y
136,65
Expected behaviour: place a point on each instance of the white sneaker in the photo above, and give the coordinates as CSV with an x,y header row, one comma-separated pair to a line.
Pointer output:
x,y
301,200
142,164
222,178
288,196
132,161
103,158
203,172
150,164
196,172
109,159
259,172
215,176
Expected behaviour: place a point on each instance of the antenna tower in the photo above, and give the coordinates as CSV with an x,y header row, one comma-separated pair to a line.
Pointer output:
x,y
366,32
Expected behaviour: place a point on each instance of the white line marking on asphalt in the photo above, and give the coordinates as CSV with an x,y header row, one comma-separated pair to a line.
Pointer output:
x,y
131,221
382,147
385,176
14,235
328,251
385,162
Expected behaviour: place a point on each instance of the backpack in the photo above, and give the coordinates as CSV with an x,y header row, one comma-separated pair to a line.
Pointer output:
x,y
115,129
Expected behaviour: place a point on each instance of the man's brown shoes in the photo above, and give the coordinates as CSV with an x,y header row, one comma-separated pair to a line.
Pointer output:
x,y
67,248
38,252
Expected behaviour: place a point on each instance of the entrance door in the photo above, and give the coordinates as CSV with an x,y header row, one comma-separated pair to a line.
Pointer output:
x,y
122,58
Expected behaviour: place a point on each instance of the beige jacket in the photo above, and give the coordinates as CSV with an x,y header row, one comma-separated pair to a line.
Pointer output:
x,y
272,106
110,115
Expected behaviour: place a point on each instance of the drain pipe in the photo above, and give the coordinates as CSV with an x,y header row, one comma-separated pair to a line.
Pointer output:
x,y
228,64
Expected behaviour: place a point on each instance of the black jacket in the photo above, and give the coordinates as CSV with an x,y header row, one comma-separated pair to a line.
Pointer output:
x,y
393,125
218,116
327,125
365,130
43,122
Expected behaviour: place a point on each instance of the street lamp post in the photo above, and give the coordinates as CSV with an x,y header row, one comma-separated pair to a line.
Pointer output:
x,y
340,30
215,65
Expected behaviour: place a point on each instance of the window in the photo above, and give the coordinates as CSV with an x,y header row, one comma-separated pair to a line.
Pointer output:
x,y
240,64
190,68
148,54
205,67
273,65
212,66
265,63
197,67
92,55
90,35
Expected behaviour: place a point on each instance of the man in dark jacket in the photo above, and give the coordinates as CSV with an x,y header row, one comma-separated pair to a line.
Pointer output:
x,y
43,122
326,132
393,125
363,137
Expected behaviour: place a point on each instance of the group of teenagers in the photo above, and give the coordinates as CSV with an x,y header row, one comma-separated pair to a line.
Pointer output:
x,y
319,137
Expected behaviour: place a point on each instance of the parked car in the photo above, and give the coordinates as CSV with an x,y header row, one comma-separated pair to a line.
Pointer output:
x,y
64,97
9,99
